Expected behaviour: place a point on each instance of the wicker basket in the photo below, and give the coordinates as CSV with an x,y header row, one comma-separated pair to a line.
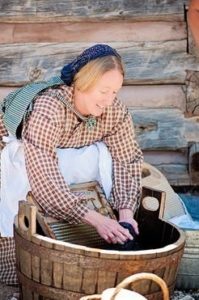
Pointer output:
x,y
119,293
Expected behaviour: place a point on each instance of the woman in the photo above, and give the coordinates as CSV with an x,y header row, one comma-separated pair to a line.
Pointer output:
x,y
91,114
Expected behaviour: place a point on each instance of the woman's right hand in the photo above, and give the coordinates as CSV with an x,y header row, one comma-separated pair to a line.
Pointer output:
x,y
109,229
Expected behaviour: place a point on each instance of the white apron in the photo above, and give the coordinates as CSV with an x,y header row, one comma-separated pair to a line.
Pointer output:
x,y
88,163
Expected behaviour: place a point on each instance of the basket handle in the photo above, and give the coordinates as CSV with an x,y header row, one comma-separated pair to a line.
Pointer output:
x,y
90,297
140,276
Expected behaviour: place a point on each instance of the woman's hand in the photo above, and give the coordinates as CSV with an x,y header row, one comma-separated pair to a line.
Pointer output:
x,y
126,215
110,230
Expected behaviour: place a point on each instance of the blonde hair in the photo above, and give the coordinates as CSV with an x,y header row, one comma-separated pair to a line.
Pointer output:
x,y
88,75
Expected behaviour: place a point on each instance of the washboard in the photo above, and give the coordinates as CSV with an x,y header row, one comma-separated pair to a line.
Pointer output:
x,y
81,234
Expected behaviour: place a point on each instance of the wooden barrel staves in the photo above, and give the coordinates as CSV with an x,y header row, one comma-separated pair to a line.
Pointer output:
x,y
52,269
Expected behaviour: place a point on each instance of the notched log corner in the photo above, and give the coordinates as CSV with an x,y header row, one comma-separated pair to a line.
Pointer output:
x,y
35,74
194,163
192,84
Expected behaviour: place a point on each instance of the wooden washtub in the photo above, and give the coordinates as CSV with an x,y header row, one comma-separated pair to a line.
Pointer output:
x,y
52,269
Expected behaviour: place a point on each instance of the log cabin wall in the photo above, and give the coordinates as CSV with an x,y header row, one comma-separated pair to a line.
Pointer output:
x,y
161,86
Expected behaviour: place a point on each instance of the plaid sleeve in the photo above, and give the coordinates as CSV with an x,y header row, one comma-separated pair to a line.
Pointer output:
x,y
41,136
127,161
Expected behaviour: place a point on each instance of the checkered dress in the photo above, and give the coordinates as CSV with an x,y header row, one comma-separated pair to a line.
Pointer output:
x,y
52,125
8,273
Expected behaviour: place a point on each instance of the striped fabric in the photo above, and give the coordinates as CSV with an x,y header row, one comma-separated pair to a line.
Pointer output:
x,y
15,105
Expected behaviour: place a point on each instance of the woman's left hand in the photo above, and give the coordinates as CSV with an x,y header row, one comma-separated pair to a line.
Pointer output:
x,y
126,215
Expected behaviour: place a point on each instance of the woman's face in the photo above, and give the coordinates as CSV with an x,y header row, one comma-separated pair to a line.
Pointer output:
x,y
95,100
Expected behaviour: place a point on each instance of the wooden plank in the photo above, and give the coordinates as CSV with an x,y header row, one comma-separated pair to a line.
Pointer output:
x,y
58,271
176,174
72,280
13,9
91,31
25,263
121,276
35,268
37,11
89,281
152,62
156,96
46,265
160,129
142,288
173,164
160,272
105,280
165,157
164,129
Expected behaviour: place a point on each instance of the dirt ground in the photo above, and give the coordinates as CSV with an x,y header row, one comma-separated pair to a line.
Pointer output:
x,y
11,293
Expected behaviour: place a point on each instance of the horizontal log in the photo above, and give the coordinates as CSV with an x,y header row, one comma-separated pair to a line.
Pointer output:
x,y
40,11
176,174
165,96
166,157
173,164
92,31
165,129
153,96
146,63
160,129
